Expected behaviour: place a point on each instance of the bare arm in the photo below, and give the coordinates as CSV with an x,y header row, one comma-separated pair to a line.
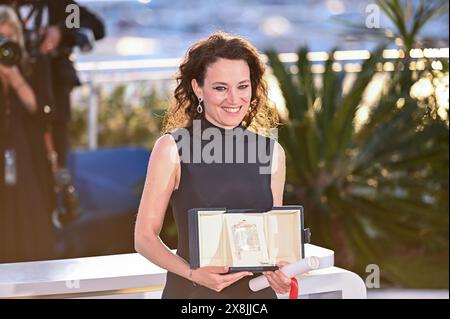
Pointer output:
x,y
162,177
278,175
159,185
279,282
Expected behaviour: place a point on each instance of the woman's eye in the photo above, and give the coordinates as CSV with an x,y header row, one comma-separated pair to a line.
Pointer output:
x,y
223,88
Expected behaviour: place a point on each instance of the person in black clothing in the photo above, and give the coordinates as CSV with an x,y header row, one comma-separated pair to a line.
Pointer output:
x,y
52,76
63,72
50,38
48,19
220,87
26,199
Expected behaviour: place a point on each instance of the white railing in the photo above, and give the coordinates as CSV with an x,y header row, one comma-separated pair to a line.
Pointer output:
x,y
133,276
162,71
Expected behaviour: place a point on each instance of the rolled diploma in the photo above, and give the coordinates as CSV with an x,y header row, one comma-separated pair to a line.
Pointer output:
x,y
292,270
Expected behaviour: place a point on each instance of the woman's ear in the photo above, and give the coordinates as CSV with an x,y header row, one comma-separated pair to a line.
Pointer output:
x,y
197,89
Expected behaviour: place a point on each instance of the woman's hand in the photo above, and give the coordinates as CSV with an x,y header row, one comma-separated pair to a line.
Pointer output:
x,y
279,282
11,76
215,277
52,39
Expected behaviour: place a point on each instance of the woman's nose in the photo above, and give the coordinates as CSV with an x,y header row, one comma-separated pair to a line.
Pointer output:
x,y
233,96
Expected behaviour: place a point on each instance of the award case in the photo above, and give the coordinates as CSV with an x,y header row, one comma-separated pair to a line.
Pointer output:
x,y
246,239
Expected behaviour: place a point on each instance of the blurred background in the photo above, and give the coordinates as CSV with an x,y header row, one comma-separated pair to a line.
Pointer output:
x,y
362,91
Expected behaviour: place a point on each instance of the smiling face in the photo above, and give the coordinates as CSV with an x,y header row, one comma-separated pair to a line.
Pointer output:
x,y
226,92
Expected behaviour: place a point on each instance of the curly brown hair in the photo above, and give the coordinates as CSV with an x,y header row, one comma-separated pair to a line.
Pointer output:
x,y
197,59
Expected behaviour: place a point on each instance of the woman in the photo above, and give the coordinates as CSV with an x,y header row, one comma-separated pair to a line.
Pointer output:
x,y
220,84
26,230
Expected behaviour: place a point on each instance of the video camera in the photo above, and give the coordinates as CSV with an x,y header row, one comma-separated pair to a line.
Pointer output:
x,y
10,52
82,38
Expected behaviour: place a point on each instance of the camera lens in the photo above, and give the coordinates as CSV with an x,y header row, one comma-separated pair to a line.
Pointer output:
x,y
10,53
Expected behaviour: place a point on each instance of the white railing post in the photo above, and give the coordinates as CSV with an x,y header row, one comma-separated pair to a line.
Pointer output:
x,y
93,114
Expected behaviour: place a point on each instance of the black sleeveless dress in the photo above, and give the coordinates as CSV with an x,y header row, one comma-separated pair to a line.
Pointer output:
x,y
218,184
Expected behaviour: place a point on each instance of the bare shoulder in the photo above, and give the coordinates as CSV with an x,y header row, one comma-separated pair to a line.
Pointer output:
x,y
165,141
165,149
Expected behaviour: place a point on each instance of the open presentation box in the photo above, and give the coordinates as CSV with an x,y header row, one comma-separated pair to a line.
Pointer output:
x,y
246,239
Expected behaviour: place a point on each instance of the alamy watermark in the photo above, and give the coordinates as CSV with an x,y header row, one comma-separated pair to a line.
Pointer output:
x,y
373,16
73,17
373,279
212,145
72,284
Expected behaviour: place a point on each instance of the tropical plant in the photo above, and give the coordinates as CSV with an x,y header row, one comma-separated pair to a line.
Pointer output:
x,y
376,192
409,17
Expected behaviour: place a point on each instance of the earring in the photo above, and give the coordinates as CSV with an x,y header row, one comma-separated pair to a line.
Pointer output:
x,y
199,106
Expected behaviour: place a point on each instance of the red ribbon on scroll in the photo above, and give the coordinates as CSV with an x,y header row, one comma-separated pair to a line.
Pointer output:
x,y
293,294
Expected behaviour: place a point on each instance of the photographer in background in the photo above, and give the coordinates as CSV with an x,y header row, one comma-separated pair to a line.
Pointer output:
x,y
44,22
26,186
48,37
47,45
59,43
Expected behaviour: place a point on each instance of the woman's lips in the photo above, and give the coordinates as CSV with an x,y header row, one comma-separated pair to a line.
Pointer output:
x,y
230,109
